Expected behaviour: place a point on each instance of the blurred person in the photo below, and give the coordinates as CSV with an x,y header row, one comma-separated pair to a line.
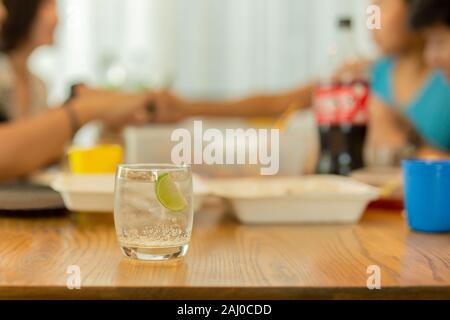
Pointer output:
x,y
408,105
30,143
432,17
404,84
30,24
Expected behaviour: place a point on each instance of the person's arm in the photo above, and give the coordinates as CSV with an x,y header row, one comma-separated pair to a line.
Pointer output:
x,y
173,108
256,106
389,130
385,128
386,141
30,144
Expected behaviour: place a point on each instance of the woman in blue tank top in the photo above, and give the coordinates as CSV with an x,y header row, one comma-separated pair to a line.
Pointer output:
x,y
429,108
404,87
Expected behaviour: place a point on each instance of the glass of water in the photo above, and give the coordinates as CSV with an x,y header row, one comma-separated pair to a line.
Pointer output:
x,y
153,211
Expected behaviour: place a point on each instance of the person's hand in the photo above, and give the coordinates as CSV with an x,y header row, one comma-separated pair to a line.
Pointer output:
x,y
168,108
114,108
431,153
355,69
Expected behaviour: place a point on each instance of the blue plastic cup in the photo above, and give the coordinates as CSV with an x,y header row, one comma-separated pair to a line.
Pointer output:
x,y
427,195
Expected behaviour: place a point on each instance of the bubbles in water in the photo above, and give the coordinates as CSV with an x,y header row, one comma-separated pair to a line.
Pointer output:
x,y
142,221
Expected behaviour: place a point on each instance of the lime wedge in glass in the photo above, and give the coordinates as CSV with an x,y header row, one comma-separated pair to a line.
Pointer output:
x,y
169,194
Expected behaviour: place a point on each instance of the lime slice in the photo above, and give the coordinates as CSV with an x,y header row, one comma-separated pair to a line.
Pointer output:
x,y
169,194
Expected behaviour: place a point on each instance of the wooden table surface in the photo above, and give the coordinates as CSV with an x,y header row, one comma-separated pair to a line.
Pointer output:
x,y
226,260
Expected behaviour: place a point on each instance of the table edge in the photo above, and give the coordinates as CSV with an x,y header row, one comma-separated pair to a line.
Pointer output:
x,y
222,293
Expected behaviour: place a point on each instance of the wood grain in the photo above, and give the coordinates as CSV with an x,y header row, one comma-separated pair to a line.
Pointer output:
x,y
226,260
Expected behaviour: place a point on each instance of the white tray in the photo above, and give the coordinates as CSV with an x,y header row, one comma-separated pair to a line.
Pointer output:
x,y
292,160
315,199
95,193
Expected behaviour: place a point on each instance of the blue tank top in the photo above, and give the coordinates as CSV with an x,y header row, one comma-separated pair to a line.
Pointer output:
x,y
430,110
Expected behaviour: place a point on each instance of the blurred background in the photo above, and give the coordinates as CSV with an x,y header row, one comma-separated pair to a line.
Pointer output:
x,y
201,48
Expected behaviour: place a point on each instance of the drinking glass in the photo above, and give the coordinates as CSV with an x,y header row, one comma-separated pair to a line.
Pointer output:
x,y
153,211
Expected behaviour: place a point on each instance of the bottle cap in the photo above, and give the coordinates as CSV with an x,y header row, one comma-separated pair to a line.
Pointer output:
x,y
345,22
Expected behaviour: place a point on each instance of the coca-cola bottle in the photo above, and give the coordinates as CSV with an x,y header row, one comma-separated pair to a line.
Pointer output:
x,y
340,106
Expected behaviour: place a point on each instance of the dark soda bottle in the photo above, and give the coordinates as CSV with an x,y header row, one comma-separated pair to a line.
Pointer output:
x,y
341,112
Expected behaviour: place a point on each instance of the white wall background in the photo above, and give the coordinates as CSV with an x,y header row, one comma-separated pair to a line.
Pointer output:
x,y
205,48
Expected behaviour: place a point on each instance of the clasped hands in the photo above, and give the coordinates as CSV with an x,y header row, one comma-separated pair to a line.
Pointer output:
x,y
117,109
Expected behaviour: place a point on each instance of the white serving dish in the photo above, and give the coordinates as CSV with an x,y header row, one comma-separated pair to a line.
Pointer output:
x,y
152,144
95,193
313,200
149,144
86,193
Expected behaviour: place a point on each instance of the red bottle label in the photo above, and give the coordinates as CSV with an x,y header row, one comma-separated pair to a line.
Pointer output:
x,y
342,103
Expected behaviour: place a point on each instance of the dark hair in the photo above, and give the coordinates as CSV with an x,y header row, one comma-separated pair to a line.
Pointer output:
x,y
427,13
17,26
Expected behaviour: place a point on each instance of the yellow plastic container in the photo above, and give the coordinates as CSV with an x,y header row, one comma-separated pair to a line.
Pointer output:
x,y
102,159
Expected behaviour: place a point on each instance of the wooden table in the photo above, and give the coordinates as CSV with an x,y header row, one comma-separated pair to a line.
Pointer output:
x,y
226,260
